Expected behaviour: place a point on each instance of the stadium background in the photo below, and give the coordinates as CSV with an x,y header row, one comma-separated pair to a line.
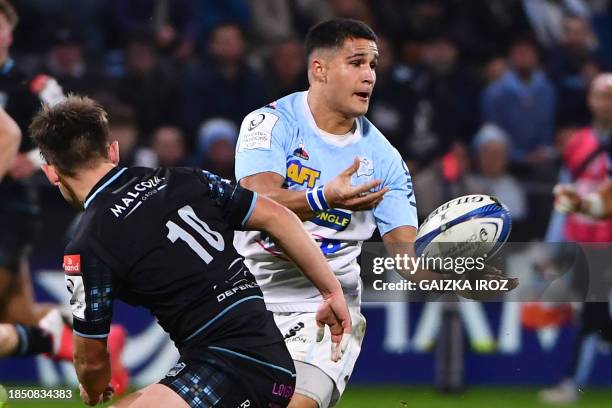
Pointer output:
x,y
177,77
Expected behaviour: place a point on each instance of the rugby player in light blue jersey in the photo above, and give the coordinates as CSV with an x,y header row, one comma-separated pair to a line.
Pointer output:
x,y
316,153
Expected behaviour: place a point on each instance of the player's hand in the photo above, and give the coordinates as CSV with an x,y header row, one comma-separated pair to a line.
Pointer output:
x,y
339,193
566,199
333,312
488,273
47,89
104,397
22,167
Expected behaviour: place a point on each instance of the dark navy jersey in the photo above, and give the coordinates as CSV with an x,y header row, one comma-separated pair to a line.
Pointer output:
x,y
16,196
163,239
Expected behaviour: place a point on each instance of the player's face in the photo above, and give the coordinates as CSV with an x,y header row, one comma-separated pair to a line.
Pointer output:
x,y
600,99
351,76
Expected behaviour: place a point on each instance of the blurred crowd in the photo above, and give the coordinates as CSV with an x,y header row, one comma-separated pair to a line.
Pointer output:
x,y
478,96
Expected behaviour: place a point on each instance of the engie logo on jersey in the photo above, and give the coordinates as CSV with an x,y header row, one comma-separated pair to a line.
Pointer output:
x,y
72,264
335,219
297,173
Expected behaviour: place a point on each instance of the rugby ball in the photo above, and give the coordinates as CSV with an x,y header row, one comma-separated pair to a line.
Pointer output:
x,y
474,225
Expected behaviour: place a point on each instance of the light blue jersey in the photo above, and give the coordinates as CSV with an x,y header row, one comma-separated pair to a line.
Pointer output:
x,y
283,138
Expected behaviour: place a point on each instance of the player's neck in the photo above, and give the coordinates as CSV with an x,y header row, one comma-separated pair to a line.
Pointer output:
x,y
4,56
86,180
327,119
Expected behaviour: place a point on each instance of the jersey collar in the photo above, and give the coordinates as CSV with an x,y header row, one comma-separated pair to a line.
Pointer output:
x,y
103,183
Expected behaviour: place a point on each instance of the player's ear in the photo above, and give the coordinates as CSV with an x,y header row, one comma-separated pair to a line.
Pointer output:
x,y
113,152
318,70
51,174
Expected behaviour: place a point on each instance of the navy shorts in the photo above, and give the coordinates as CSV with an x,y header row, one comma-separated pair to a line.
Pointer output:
x,y
220,377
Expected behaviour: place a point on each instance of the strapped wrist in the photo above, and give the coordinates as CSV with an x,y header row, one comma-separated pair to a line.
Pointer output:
x,y
316,199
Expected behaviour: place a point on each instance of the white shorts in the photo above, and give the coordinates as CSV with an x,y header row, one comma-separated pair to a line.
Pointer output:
x,y
300,332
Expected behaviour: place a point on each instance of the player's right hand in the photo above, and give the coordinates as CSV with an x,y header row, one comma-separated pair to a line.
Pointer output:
x,y
333,312
566,199
340,193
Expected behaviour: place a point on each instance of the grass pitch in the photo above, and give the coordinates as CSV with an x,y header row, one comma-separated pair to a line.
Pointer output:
x,y
410,397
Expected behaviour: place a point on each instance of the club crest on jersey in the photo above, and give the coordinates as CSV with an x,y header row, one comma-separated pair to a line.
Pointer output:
x,y
335,219
301,152
366,167
299,174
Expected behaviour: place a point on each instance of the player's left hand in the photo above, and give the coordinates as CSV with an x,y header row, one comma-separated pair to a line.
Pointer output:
x,y
333,312
104,397
22,167
566,199
488,273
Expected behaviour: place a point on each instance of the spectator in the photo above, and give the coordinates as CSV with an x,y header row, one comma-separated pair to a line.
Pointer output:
x,y
148,86
286,69
446,108
572,66
546,18
394,97
442,179
215,148
171,22
224,86
169,146
124,129
271,21
491,146
523,103
66,63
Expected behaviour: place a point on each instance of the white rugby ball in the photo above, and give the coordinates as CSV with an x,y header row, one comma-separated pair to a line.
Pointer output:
x,y
474,225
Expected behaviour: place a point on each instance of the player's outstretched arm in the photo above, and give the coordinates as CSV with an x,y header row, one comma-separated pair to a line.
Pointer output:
x,y
92,365
338,193
289,233
10,138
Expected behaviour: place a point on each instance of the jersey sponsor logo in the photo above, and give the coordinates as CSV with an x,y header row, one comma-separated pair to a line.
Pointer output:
x,y
299,174
335,219
176,369
293,331
256,131
74,284
366,167
140,192
72,264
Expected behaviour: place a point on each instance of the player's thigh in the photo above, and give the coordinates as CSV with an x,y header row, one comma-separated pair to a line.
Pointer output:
x,y
302,401
18,304
313,389
155,395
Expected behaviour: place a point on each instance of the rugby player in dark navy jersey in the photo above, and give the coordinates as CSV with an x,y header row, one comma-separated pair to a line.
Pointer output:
x,y
162,238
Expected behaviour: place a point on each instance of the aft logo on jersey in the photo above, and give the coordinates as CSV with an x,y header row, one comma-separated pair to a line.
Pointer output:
x,y
72,264
299,174
335,219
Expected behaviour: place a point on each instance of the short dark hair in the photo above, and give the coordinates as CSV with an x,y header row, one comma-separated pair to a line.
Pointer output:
x,y
333,33
71,134
9,13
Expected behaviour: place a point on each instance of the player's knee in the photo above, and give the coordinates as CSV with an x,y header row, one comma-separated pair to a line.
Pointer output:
x,y
8,339
302,401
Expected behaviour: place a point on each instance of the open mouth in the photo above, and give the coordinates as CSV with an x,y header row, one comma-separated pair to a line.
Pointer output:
x,y
363,95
